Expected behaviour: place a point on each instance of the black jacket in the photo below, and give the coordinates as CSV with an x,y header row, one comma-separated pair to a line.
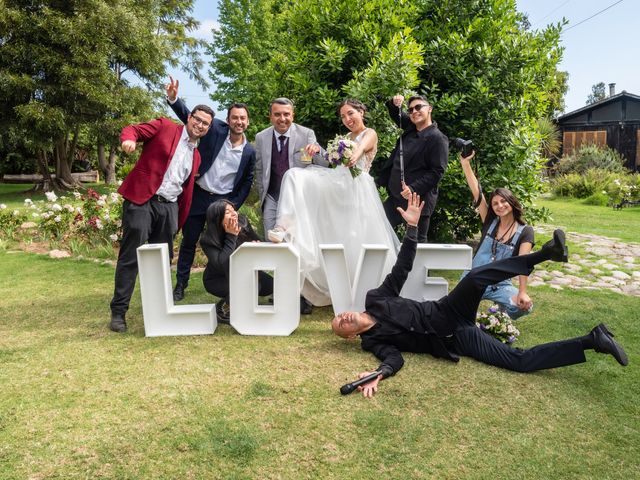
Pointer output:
x,y
426,154
403,324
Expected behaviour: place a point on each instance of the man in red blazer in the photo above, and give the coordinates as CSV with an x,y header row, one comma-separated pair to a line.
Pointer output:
x,y
157,194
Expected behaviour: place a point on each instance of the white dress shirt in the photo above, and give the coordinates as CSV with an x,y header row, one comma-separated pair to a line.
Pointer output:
x,y
179,168
221,177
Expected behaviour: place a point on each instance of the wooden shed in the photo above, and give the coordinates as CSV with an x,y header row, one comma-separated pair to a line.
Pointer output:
x,y
613,121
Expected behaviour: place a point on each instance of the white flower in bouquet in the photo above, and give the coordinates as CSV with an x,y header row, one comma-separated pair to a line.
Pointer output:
x,y
51,196
339,152
497,324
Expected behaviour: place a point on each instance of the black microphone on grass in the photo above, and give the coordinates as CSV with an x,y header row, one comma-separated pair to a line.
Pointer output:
x,y
350,387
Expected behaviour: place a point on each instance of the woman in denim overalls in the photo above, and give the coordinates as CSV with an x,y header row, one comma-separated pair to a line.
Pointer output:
x,y
505,229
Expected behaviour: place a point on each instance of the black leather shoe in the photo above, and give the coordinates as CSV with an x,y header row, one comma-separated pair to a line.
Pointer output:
x,y
604,343
223,311
558,247
305,306
118,323
178,292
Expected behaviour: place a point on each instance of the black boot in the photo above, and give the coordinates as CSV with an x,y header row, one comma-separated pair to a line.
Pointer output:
x,y
604,343
305,306
118,323
223,311
557,247
178,292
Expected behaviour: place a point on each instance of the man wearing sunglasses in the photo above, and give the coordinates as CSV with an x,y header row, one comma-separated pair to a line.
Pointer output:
x,y
157,194
417,163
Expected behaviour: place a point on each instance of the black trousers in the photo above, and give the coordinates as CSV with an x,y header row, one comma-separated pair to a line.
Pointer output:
x,y
395,219
218,284
153,222
461,305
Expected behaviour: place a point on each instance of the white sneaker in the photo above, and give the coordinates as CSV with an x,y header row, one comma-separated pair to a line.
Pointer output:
x,y
276,235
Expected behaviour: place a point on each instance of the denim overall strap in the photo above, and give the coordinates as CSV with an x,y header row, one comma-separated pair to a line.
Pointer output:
x,y
483,254
504,250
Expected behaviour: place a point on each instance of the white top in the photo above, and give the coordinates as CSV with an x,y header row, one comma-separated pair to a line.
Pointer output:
x,y
179,169
222,174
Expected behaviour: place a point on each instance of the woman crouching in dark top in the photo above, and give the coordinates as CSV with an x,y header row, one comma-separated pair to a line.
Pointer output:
x,y
226,231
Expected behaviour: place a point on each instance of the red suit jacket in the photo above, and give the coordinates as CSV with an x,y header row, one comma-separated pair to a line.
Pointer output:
x,y
160,139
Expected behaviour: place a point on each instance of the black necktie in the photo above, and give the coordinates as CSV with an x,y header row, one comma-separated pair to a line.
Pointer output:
x,y
283,142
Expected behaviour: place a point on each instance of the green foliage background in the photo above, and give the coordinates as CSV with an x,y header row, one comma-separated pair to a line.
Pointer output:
x,y
490,78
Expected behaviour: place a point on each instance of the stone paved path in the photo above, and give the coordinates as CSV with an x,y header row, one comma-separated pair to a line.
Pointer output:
x,y
606,264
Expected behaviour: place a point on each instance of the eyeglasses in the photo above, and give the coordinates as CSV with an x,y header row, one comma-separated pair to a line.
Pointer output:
x,y
199,121
417,108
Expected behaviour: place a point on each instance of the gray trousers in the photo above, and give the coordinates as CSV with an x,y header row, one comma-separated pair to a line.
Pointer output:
x,y
269,214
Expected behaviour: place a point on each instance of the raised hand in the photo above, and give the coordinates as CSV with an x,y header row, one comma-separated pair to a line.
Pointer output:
x,y
397,100
128,146
172,89
467,159
412,214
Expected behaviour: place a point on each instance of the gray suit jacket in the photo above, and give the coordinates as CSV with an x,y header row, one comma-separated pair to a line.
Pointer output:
x,y
299,137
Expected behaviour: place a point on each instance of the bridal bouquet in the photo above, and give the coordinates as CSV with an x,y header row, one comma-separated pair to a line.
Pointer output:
x,y
339,151
498,324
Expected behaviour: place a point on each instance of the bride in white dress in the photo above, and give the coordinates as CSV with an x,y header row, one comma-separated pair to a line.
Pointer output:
x,y
320,205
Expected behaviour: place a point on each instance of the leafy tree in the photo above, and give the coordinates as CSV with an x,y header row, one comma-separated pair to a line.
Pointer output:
x,y
63,65
597,93
490,80
489,77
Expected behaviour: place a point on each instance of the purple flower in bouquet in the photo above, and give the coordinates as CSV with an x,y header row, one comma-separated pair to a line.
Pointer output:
x,y
339,152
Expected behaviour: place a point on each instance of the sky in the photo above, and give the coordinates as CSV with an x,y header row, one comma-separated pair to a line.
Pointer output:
x,y
603,48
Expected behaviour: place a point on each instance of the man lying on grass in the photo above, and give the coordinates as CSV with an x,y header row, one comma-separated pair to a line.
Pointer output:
x,y
446,328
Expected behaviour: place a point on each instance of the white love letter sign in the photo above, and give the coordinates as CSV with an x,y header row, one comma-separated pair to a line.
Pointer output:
x,y
349,294
161,316
248,317
419,285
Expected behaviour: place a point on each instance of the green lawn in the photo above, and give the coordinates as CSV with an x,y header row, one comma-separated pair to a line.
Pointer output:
x,y
575,216
80,402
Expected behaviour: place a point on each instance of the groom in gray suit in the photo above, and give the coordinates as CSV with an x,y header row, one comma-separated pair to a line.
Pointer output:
x,y
278,148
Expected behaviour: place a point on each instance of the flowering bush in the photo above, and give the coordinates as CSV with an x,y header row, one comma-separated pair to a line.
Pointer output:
x,y
497,324
90,218
99,218
624,189
10,220
339,152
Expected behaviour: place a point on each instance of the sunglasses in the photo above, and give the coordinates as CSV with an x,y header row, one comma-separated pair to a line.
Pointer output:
x,y
417,108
